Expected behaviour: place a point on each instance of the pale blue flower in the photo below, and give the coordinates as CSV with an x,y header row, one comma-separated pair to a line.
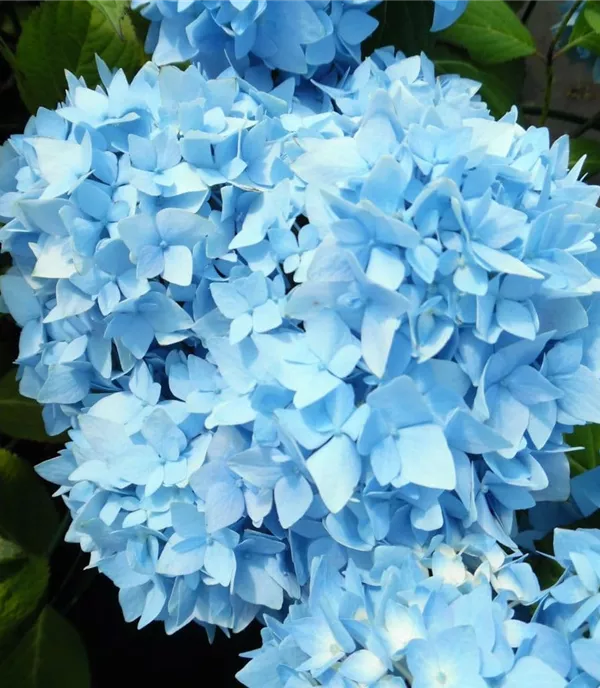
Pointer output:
x,y
163,246
396,435
251,303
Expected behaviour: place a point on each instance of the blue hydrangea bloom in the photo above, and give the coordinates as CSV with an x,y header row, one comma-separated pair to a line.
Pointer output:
x,y
298,36
420,620
579,53
301,37
307,328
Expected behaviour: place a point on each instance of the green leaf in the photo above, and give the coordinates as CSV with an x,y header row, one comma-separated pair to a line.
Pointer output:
x,y
27,513
21,417
50,655
588,437
114,11
591,11
67,35
23,581
588,147
405,24
500,84
491,33
586,33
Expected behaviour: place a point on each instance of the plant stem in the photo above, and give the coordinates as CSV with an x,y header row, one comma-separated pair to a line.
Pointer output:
x,y
60,533
403,671
591,123
554,113
67,579
527,12
85,583
550,59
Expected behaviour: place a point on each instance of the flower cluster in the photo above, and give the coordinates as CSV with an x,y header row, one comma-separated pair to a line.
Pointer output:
x,y
579,53
281,330
425,621
313,350
301,37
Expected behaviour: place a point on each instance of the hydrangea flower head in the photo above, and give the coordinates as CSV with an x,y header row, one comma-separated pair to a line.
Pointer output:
x,y
307,330
300,37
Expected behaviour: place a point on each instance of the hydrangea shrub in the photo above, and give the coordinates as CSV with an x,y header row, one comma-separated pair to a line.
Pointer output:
x,y
317,328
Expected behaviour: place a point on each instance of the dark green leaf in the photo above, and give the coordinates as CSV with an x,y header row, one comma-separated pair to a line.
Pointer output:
x,y
114,11
50,655
586,436
21,417
67,35
404,24
6,357
588,147
500,84
23,581
140,26
547,571
491,33
27,514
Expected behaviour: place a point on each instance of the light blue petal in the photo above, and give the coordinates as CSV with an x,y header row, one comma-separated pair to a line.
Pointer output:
x,y
293,497
336,469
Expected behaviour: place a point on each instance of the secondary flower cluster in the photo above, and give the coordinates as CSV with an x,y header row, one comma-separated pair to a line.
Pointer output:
x,y
301,37
424,621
